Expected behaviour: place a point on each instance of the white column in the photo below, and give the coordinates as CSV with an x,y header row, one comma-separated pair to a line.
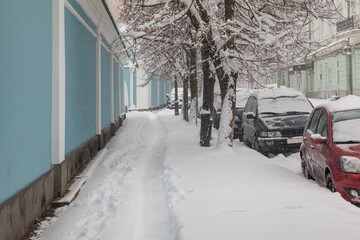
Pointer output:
x,y
98,82
112,89
131,103
119,89
58,83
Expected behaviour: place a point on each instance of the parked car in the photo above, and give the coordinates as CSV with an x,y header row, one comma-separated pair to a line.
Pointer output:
x,y
216,110
171,98
274,120
330,152
241,97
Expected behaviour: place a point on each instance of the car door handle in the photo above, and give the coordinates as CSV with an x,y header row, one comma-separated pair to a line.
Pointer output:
x,y
312,146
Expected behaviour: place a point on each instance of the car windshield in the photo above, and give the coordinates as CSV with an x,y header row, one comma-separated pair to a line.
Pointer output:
x,y
346,127
284,105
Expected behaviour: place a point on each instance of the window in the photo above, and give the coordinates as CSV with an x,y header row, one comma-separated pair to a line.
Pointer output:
x,y
314,121
253,106
322,126
249,105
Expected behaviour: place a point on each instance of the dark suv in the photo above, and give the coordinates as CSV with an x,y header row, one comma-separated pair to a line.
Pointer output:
x,y
274,120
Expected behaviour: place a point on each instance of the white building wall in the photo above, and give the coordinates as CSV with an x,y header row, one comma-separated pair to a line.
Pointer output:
x,y
143,93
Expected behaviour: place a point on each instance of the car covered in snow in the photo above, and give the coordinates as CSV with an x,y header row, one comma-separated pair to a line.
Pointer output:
x,y
241,97
330,152
274,120
216,110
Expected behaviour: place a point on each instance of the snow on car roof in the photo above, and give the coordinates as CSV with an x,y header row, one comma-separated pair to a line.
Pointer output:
x,y
345,103
277,92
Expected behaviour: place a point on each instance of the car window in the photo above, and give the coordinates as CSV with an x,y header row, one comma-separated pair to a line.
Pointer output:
x,y
248,105
322,126
346,126
253,106
314,121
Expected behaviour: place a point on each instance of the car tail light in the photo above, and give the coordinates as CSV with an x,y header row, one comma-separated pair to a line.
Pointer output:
x,y
218,110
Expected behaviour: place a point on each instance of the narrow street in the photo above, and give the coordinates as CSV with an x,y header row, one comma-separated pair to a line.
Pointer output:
x,y
154,182
124,197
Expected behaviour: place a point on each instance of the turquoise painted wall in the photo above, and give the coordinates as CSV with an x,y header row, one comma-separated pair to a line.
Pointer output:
x,y
105,87
80,83
161,92
166,88
122,90
154,92
25,93
79,10
116,90
326,75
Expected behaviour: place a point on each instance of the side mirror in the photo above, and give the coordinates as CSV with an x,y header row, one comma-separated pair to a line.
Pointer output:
x,y
317,139
250,115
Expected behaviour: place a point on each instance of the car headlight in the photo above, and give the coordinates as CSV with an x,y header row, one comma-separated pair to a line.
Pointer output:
x,y
271,134
350,164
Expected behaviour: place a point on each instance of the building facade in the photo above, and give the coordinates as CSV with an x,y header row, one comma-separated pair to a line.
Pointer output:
x,y
334,68
63,95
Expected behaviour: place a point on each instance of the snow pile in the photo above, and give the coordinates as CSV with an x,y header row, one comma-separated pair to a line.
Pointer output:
x,y
277,92
282,100
315,102
345,103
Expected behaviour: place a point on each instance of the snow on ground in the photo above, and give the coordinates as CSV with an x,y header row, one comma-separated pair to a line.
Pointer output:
x,y
153,181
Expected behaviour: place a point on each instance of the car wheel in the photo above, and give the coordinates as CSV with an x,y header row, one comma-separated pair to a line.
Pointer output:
x,y
246,141
305,169
330,183
256,146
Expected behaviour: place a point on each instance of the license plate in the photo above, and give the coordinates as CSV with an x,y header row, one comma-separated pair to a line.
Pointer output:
x,y
294,140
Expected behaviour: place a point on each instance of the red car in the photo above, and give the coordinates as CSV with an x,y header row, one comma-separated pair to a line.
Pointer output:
x,y
330,152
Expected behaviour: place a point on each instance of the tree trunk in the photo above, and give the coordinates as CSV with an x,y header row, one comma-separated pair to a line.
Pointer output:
x,y
193,85
208,97
185,99
228,87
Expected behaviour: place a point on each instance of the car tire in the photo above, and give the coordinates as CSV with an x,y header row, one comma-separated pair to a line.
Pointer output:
x,y
330,183
256,146
305,169
246,141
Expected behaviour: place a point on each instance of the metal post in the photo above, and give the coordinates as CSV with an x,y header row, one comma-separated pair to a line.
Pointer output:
x,y
176,99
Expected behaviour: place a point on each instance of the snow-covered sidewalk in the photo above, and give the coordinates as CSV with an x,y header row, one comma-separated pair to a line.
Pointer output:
x,y
153,181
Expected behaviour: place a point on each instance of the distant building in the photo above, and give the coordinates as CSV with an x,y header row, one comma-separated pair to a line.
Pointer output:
x,y
334,68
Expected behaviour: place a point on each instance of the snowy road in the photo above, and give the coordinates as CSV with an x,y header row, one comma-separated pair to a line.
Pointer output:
x,y
125,195
154,182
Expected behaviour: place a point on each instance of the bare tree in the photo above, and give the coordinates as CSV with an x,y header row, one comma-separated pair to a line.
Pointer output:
x,y
244,39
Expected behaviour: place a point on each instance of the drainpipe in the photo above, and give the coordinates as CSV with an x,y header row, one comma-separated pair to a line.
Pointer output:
x,y
348,51
98,81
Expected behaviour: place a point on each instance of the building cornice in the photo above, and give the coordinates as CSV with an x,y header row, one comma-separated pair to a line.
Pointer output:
x,y
99,15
